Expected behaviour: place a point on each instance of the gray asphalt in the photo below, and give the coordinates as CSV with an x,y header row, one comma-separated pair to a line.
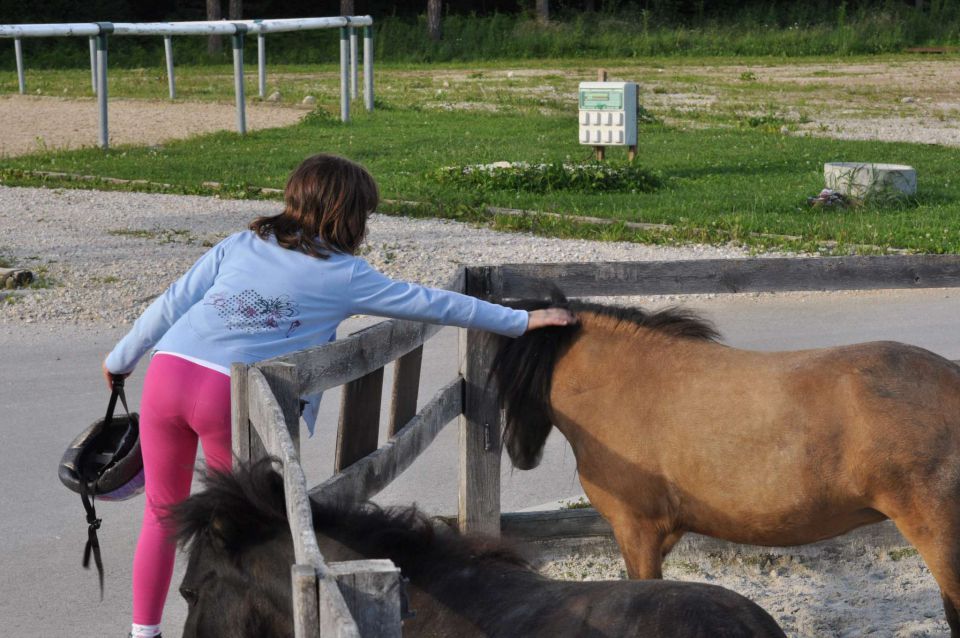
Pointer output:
x,y
50,389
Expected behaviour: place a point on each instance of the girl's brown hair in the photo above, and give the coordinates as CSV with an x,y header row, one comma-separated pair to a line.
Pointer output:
x,y
326,204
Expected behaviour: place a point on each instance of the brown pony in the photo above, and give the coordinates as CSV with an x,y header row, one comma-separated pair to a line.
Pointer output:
x,y
675,432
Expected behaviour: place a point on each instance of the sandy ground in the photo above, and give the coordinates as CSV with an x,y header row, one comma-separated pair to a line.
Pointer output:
x,y
34,123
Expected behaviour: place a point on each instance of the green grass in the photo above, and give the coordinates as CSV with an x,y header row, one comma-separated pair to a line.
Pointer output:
x,y
720,184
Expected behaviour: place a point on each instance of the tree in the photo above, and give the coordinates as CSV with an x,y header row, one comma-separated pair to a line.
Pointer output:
x,y
433,20
347,8
214,42
235,10
543,11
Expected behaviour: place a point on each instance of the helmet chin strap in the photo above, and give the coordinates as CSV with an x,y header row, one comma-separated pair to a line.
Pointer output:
x,y
93,543
93,523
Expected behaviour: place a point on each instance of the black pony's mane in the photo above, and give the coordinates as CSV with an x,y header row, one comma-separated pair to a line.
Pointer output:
x,y
523,367
246,507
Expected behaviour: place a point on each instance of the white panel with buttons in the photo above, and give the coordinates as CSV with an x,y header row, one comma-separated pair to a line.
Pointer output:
x,y
608,113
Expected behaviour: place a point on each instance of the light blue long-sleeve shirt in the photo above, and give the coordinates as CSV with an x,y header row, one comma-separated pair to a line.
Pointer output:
x,y
249,299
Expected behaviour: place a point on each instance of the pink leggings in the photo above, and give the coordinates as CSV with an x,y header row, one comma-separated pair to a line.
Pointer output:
x,y
182,402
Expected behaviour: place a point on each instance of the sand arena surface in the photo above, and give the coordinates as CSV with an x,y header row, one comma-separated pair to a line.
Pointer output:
x,y
35,123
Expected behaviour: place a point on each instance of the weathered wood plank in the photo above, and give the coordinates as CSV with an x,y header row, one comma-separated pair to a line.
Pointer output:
x,y
368,476
371,589
306,611
728,275
553,525
239,414
268,419
480,426
335,618
359,426
352,357
406,389
282,378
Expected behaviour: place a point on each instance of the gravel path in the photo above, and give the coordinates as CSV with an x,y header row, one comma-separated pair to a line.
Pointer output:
x,y
107,254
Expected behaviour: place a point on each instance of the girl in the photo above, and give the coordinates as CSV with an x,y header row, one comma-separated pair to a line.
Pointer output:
x,y
283,285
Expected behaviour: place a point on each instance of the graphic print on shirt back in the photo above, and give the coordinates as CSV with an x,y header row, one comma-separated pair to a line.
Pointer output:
x,y
251,312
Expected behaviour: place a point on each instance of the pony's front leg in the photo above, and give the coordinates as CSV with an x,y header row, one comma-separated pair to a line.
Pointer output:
x,y
641,546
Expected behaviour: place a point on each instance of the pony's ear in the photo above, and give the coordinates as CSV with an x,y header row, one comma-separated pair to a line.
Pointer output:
x,y
222,531
557,298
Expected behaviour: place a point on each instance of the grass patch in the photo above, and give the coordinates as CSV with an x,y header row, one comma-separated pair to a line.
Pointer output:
x,y
746,184
580,504
900,554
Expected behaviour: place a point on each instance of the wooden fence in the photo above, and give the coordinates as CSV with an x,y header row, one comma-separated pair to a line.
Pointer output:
x,y
328,598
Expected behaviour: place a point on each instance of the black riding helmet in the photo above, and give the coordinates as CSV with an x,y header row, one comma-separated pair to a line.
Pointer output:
x,y
104,462
105,458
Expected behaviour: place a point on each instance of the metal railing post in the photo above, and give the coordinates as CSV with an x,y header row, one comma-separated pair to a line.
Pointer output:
x,y
354,86
262,65
18,51
344,75
93,64
368,67
238,77
106,28
168,53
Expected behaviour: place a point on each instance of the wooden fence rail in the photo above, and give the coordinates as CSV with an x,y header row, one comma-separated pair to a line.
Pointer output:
x,y
513,281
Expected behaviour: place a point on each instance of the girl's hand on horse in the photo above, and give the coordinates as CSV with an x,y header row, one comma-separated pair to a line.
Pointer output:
x,y
550,317
109,376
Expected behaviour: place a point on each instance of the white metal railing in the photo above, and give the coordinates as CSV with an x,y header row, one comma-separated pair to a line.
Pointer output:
x,y
237,29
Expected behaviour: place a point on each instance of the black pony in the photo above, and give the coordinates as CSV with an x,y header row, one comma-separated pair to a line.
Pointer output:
x,y
238,579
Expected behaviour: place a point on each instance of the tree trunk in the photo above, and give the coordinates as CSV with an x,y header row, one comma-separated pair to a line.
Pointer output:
x,y
347,8
543,11
433,20
589,6
235,10
214,42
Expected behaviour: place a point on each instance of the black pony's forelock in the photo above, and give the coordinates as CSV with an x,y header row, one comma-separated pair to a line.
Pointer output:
x,y
246,507
523,367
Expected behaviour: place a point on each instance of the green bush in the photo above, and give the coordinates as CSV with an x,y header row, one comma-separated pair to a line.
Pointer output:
x,y
594,177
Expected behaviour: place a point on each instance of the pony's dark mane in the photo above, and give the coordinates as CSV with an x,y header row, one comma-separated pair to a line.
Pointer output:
x,y
246,507
524,366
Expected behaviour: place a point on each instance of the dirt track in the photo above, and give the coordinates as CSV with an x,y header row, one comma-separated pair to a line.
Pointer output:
x,y
33,123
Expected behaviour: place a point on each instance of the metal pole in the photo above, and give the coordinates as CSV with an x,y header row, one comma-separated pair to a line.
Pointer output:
x,y
344,75
238,77
168,51
18,50
105,28
368,67
262,64
354,64
93,64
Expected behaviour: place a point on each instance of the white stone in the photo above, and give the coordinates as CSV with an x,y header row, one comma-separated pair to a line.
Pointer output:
x,y
857,179
274,97
309,100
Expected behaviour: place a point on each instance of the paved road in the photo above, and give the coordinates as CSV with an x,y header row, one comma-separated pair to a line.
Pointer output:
x,y
50,388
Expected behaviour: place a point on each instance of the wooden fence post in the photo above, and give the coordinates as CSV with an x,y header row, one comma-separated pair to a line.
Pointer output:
x,y
406,388
479,490
372,591
359,419
282,378
246,444
306,611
